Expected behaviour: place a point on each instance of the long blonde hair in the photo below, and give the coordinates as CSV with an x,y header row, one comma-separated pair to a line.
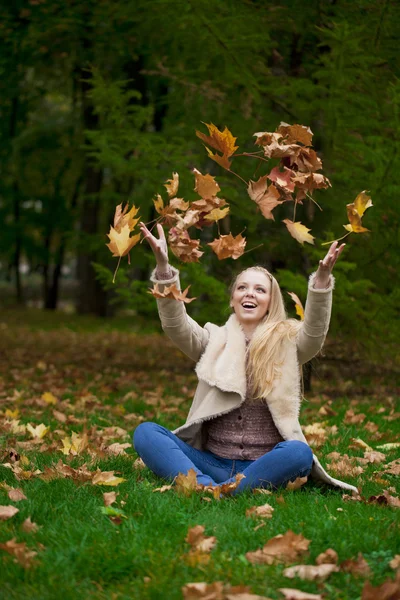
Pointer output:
x,y
267,345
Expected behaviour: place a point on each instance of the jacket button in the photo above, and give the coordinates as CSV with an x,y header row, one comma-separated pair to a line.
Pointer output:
x,y
241,446
240,417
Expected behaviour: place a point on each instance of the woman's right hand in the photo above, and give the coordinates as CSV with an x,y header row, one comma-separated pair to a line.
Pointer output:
x,y
159,246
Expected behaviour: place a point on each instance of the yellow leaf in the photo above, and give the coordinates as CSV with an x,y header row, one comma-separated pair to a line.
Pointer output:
x,y
298,305
159,204
106,478
172,185
217,213
223,141
75,444
206,186
12,414
120,242
39,431
362,202
299,231
122,217
49,398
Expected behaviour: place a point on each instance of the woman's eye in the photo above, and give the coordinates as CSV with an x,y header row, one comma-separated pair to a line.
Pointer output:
x,y
260,290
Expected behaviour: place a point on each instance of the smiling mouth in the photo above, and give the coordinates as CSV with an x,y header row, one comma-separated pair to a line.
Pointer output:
x,y
249,305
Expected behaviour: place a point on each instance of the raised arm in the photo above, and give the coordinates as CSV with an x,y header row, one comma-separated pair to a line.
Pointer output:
x,y
188,335
312,334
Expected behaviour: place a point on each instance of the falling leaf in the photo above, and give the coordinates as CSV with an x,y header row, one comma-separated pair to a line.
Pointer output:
x,y
296,133
282,548
29,527
265,511
120,242
172,185
296,484
205,186
298,305
227,246
16,495
217,214
21,553
106,478
358,566
356,210
311,572
283,179
198,541
183,246
266,197
293,594
330,557
222,141
171,292
123,217
49,398
299,231
6,512
109,498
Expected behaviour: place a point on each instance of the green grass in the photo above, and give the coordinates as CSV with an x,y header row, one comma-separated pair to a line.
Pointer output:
x,y
83,554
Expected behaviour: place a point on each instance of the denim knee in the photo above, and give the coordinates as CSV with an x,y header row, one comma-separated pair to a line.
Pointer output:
x,y
142,435
302,454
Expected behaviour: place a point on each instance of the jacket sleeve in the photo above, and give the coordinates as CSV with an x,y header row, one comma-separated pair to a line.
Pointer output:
x,y
317,315
185,333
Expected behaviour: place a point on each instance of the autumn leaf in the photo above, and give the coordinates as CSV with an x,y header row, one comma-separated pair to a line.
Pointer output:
x,y
298,305
355,212
123,217
106,478
198,541
20,551
186,484
283,179
172,292
120,242
49,398
311,572
264,511
330,556
281,548
16,495
395,562
388,590
7,512
296,133
296,484
359,566
163,488
299,231
29,527
172,185
183,246
109,498
75,444
227,246
12,414
293,594
393,468
39,431
205,185
266,197
217,214
208,591
222,141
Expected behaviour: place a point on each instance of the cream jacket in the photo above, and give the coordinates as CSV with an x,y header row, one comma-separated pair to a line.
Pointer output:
x,y
220,356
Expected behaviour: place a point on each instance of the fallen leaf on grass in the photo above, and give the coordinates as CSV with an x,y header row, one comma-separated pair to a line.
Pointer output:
x,y
39,431
388,590
196,539
75,444
393,468
262,491
358,566
281,548
6,512
208,591
311,572
22,554
49,398
386,499
265,511
389,446
374,457
109,498
106,478
139,464
359,443
352,418
296,484
29,527
186,483
293,594
115,514
395,562
330,556
16,495
165,488
117,448
345,466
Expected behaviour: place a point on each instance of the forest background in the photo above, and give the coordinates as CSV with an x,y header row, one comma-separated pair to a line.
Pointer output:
x,y
99,104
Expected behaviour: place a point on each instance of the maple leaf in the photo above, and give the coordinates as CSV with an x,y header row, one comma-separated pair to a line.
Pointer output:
x,y
186,483
117,449
296,133
208,591
49,398
296,484
205,185
172,292
227,246
120,242
266,197
352,418
12,414
198,541
222,141
106,478
172,185
299,231
29,527
39,431
7,512
281,548
359,566
22,554
217,214
265,511
75,444
123,217
109,498
183,246
298,305
311,572
16,495
393,468
355,212
293,594
388,590
330,556
284,179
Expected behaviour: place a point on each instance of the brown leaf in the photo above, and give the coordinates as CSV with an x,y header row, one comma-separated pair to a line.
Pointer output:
x,y
393,468
385,498
164,488
172,185
171,292
123,217
282,548
265,511
139,464
22,554
297,483
282,178
351,418
358,566
296,133
299,231
388,590
117,449
6,512
311,572
196,539
186,483
207,591
266,197
293,594
345,466
395,562
227,246
29,527
106,478
316,434
16,495
183,246
329,557
375,457
109,498
206,186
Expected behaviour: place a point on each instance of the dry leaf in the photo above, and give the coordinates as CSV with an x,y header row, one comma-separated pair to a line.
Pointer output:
x,y
39,431
356,210
120,241
297,483
123,217
311,572
217,214
6,512
106,478
172,292
265,511
172,185
298,305
329,557
358,566
293,594
139,464
49,398
183,246
16,495
75,444
186,483
196,539
223,141
388,590
351,418
395,562
109,498
207,591
283,179
162,489
117,449
385,498
29,527
227,246
393,468
205,186
296,133
282,548
266,197
20,551
299,231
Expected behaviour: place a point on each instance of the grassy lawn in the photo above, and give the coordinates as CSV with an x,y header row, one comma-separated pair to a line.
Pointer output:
x,y
99,382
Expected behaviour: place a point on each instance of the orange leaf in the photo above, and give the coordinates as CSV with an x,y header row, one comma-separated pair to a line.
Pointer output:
x,y
227,246
281,548
183,246
206,186
223,141
299,231
22,554
171,292
284,179
296,133
267,198
172,185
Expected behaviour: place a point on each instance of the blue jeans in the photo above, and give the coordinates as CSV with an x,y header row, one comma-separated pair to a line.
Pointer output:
x,y
167,455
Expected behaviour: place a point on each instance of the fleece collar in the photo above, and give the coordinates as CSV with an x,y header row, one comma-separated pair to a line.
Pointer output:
x,y
223,363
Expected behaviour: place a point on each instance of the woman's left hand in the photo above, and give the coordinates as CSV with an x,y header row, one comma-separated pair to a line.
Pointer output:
x,y
326,265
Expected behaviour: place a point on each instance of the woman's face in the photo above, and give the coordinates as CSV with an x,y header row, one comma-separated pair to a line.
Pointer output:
x,y
251,296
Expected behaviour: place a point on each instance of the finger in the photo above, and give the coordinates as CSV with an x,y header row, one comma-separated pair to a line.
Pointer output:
x,y
161,233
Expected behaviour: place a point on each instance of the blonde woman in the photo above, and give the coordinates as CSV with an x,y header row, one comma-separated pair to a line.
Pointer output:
x,y
244,416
